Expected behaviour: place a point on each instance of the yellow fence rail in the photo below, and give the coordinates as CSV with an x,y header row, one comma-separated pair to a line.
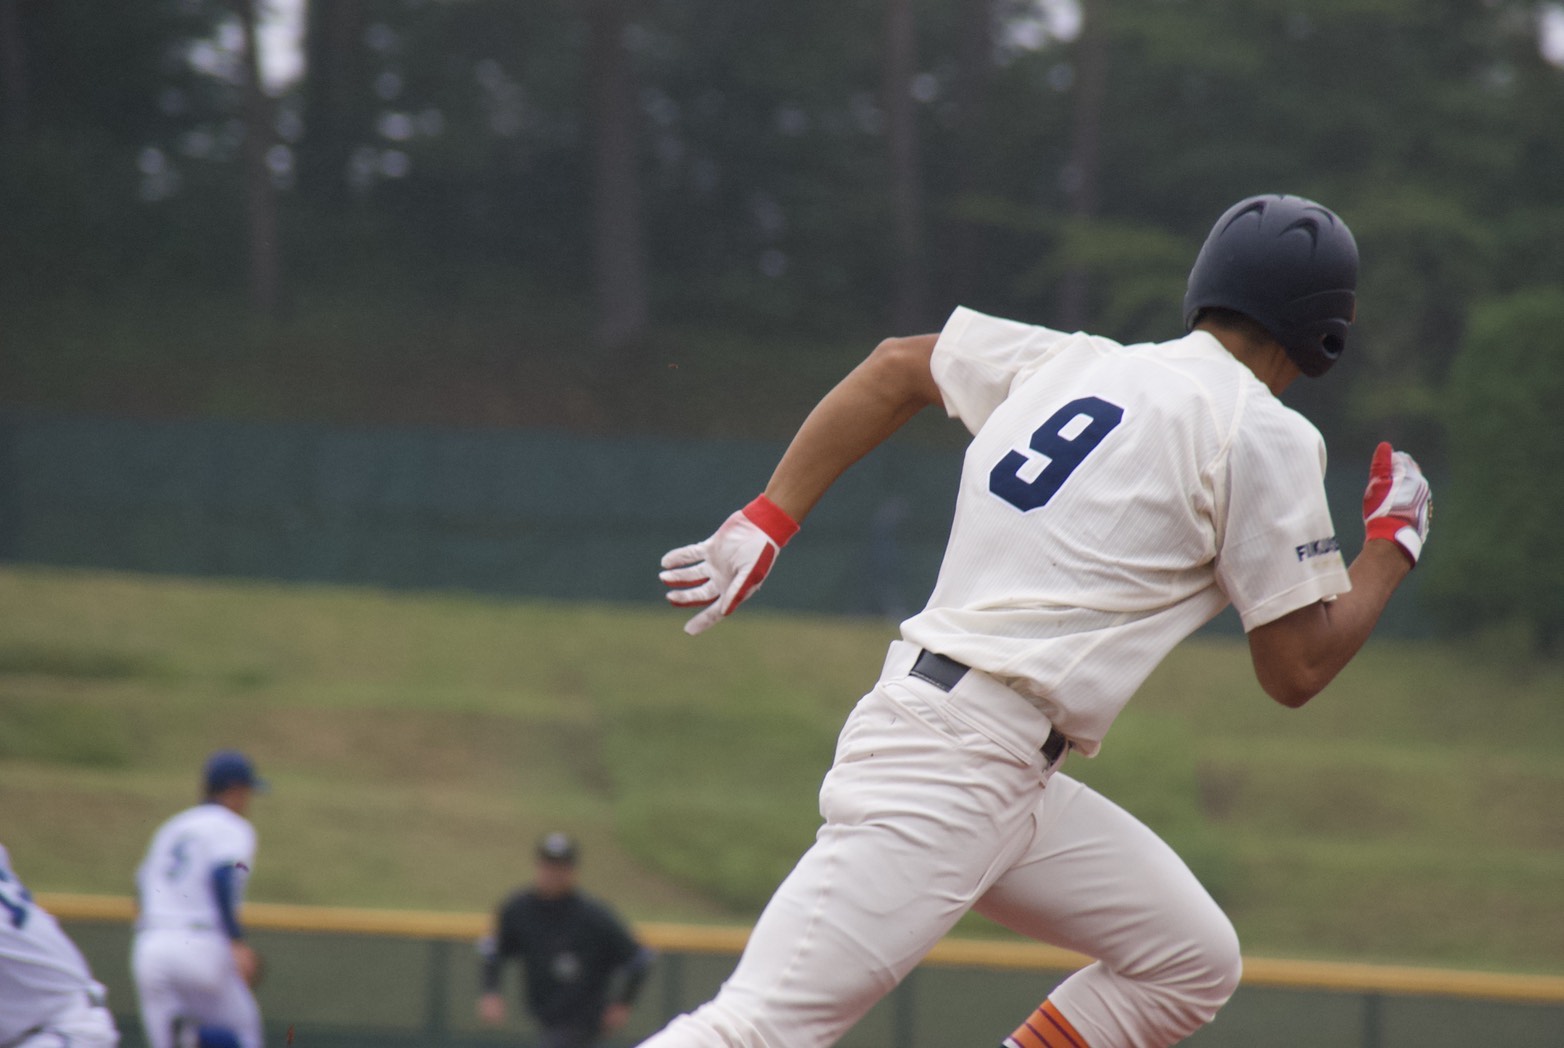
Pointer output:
x,y
703,939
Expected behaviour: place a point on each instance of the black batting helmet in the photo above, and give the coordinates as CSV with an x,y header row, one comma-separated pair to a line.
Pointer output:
x,y
1289,264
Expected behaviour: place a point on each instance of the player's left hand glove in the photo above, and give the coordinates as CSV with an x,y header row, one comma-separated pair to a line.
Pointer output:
x,y
723,571
1398,503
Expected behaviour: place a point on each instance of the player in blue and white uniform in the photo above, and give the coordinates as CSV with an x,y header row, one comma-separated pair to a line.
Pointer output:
x,y
192,965
48,997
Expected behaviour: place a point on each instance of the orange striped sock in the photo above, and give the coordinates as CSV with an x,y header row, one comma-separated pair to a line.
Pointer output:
x,y
1045,1028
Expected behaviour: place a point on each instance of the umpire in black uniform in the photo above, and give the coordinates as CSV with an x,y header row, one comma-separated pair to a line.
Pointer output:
x,y
582,967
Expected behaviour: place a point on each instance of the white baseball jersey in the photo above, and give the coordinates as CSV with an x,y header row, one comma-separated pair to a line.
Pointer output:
x,y
182,959
1113,500
43,976
174,881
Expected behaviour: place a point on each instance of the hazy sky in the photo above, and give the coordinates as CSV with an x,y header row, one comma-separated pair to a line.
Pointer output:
x,y
282,31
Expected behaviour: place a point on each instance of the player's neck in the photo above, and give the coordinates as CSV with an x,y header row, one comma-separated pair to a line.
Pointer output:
x,y
1265,357
235,800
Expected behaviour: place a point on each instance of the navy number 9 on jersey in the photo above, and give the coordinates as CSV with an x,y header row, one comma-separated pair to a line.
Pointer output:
x,y
1064,453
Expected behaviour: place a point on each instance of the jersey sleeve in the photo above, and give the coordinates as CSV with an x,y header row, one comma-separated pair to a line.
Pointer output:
x,y
232,843
978,357
622,945
509,927
232,853
631,961
226,889
502,945
1279,551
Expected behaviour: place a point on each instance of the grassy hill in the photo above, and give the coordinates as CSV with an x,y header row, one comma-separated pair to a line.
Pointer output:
x,y
418,743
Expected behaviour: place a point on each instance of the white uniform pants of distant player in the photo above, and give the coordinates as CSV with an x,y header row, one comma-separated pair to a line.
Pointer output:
x,y
190,975
86,1026
935,805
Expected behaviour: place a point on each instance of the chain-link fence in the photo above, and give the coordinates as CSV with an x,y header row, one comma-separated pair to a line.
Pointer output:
x,y
538,514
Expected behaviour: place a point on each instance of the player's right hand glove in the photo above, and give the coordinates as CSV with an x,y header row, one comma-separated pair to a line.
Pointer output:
x,y
1398,503
723,571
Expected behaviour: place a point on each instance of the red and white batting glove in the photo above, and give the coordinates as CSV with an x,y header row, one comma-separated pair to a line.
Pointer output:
x,y
1398,503
723,571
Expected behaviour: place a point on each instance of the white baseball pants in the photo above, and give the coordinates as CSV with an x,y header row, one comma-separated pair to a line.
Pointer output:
x,y
84,1026
935,805
191,975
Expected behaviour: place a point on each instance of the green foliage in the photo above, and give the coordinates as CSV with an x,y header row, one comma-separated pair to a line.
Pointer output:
x,y
104,73
1140,269
764,171
1427,260
97,90
1503,560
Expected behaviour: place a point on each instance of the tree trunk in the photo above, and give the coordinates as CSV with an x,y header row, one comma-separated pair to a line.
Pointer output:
x,y
910,267
13,72
259,192
334,87
975,65
618,248
1081,176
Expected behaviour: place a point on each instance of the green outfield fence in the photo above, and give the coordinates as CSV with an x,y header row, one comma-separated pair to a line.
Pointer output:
x,y
525,513
390,979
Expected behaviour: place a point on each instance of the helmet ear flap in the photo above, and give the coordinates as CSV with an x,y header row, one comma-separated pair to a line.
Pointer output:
x,y
1315,329
1315,350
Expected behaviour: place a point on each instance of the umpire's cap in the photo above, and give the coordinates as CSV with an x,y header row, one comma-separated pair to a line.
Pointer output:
x,y
557,847
227,768
1289,264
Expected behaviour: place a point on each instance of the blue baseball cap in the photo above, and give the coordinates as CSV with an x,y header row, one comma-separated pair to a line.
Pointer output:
x,y
227,768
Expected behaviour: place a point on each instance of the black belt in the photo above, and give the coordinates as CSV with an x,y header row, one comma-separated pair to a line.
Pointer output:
x,y
944,673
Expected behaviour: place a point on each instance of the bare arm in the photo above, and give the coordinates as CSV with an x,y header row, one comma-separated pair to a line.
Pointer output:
x,y
1297,655
875,400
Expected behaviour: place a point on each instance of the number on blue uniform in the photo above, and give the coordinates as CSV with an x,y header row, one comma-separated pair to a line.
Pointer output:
x,y
14,899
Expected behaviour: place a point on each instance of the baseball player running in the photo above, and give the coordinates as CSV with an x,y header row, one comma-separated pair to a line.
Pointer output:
x,y
191,963
1113,499
48,997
